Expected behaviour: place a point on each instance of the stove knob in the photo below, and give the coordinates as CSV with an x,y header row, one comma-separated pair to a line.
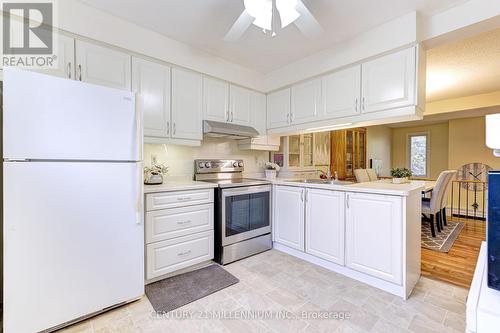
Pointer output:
x,y
240,164
235,164
201,165
208,165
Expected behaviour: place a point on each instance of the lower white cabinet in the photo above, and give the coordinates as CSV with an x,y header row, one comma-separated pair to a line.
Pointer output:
x,y
373,235
174,254
179,231
325,214
288,228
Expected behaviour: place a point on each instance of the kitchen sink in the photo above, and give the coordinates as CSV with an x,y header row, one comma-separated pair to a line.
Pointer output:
x,y
322,181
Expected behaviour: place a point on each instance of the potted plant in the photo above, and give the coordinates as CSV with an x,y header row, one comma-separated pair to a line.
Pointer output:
x,y
400,175
271,170
153,175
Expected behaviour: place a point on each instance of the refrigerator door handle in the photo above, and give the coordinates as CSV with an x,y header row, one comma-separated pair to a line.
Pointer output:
x,y
139,128
140,194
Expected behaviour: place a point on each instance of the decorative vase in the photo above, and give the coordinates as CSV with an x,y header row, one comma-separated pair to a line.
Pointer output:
x,y
400,180
154,180
270,174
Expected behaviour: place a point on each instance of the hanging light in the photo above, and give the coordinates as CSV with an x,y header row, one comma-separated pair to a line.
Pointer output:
x,y
262,12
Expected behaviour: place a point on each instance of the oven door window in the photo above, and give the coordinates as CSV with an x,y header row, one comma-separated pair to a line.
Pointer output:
x,y
246,212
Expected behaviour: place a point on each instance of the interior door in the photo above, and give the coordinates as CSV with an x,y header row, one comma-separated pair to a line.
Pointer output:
x,y
187,99
73,241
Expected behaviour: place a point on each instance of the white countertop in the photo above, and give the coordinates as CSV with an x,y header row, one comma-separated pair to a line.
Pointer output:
x,y
177,185
377,187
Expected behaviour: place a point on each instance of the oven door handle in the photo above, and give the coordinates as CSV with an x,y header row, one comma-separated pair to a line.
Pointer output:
x,y
246,190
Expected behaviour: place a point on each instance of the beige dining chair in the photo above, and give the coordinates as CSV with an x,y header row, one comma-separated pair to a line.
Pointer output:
x,y
372,174
432,207
361,176
444,202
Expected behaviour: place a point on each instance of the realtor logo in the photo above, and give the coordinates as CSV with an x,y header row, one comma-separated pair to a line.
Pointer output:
x,y
28,38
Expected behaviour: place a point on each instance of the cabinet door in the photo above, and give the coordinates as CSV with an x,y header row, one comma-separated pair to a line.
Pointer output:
x,y
101,65
389,82
65,58
289,216
374,235
215,99
306,102
187,91
325,213
278,109
152,82
341,93
240,100
258,112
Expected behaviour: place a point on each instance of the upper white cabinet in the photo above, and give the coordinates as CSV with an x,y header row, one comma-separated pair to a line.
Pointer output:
x,y
305,102
374,235
152,81
341,92
65,52
187,92
215,99
104,66
389,81
240,105
325,224
288,224
278,109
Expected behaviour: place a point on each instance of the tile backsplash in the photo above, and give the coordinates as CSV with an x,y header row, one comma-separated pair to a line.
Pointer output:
x,y
180,159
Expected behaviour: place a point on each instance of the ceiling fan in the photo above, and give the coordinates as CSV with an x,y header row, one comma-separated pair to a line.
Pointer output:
x,y
263,14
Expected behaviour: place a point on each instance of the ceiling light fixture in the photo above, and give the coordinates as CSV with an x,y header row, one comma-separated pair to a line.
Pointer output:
x,y
262,12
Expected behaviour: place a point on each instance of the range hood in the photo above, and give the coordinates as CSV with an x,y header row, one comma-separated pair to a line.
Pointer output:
x,y
227,130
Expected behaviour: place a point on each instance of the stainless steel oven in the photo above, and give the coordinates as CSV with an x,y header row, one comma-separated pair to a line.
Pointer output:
x,y
242,209
245,213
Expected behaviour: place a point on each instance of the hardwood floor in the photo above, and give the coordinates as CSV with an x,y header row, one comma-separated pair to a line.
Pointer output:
x,y
457,266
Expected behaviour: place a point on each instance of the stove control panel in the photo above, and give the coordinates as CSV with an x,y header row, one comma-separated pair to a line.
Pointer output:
x,y
215,166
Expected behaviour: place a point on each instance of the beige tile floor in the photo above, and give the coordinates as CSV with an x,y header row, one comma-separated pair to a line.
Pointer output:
x,y
282,284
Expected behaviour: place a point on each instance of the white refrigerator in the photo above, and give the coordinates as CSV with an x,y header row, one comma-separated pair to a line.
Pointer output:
x,y
73,198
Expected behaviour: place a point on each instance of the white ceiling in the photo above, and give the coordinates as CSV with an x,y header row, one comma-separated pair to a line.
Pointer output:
x,y
203,24
467,67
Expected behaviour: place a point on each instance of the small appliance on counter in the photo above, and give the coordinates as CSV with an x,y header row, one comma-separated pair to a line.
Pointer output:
x,y
242,210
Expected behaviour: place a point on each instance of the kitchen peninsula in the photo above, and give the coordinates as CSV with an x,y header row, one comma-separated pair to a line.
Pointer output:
x,y
366,231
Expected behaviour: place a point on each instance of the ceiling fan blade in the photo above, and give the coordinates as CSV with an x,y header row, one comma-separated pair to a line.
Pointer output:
x,y
306,23
239,27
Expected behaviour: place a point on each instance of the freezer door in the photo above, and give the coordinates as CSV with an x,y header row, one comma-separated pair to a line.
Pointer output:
x,y
73,240
52,118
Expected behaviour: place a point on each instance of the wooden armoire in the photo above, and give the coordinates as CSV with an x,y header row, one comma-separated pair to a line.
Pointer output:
x,y
348,152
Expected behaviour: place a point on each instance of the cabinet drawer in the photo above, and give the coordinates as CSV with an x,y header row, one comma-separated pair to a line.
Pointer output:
x,y
174,254
164,200
175,222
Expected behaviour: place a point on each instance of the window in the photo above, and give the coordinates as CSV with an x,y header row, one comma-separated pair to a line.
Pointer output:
x,y
418,154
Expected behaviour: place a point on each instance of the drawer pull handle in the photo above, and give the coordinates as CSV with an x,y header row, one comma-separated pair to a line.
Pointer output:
x,y
184,222
184,253
183,198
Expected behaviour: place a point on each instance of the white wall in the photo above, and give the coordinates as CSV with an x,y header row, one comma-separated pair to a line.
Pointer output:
x,y
81,19
180,159
378,146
